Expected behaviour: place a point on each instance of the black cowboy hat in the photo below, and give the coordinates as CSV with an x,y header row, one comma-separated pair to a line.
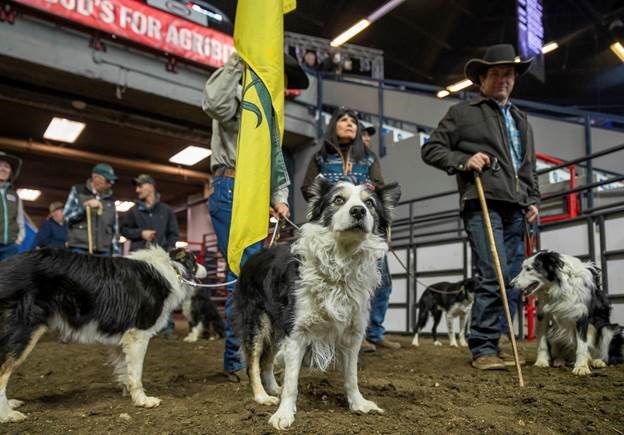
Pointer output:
x,y
15,163
297,78
500,54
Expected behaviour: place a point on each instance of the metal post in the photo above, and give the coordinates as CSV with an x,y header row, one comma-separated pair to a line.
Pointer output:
x,y
319,105
588,150
382,145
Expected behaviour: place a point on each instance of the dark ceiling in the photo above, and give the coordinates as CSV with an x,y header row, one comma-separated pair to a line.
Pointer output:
x,y
428,41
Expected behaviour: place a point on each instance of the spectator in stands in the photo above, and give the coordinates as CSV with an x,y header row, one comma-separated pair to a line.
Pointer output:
x,y
11,207
343,156
489,132
149,221
310,60
96,195
222,98
53,232
367,134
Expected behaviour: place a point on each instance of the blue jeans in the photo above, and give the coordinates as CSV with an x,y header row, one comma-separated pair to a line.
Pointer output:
x,y
8,250
508,225
379,304
220,208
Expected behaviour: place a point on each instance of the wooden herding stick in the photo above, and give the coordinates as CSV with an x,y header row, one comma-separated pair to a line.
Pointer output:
x,y
89,230
499,273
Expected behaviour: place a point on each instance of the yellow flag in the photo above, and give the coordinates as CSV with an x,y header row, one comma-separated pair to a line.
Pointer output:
x,y
259,40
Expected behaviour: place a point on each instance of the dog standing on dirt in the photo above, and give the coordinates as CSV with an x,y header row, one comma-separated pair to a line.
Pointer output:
x,y
204,319
452,299
573,313
315,296
120,302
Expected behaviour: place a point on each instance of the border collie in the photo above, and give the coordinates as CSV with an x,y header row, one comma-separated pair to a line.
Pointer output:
x,y
314,296
452,299
115,301
204,319
573,313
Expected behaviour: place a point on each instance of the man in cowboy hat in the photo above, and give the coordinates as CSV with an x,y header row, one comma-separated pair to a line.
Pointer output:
x,y
489,132
12,230
96,196
222,99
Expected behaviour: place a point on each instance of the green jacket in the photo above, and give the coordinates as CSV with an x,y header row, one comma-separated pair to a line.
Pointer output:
x,y
478,126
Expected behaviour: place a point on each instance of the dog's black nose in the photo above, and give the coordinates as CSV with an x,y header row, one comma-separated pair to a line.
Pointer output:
x,y
357,211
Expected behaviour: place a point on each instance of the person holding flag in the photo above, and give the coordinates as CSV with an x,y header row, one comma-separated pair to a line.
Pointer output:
x,y
249,174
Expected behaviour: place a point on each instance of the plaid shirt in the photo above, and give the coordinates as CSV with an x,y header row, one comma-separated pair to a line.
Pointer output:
x,y
74,211
513,135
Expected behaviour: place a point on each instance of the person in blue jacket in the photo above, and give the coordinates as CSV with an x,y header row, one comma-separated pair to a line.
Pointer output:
x,y
53,232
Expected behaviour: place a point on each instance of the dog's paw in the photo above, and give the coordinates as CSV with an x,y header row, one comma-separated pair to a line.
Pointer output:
x,y
463,343
190,339
437,343
148,402
282,419
415,342
453,344
542,363
265,399
581,371
12,417
598,363
14,403
274,390
365,406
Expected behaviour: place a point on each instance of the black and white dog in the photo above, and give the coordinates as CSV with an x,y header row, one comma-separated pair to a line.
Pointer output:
x,y
115,301
573,313
204,319
314,297
452,299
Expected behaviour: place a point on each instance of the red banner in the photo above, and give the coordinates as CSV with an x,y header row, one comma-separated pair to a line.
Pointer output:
x,y
145,25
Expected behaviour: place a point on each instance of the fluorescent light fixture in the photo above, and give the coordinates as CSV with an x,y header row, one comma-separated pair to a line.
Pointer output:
x,y
517,59
618,49
456,87
350,33
190,155
214,16
63,130
123,206
443,93
28,194
551,46
383,10
181,244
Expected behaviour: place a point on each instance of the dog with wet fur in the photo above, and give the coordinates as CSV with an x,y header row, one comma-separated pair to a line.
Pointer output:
x,y
314,297
573,313
121,302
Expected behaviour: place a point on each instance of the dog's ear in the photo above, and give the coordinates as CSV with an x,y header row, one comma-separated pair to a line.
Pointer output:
x,y
549,263
389,195
316,194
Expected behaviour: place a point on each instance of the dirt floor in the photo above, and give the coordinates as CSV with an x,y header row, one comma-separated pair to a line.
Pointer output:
x,y
68,388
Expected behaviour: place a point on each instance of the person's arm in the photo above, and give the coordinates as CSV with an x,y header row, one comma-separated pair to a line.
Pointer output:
x,y
438,151
173,231
129,227
20,222
311,173
219,101
73,211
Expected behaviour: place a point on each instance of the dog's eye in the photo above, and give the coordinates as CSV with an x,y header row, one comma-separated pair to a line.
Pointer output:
x,y
369,202
339,200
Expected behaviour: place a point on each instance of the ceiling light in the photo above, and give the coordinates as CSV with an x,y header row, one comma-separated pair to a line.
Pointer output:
x,y
618,49
123,206
181,244
63,130
456,87
443,93
190,155
551,46
28,194
517,59
350,33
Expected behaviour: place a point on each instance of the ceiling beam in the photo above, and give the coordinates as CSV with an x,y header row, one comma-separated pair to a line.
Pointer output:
x,y
85,156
